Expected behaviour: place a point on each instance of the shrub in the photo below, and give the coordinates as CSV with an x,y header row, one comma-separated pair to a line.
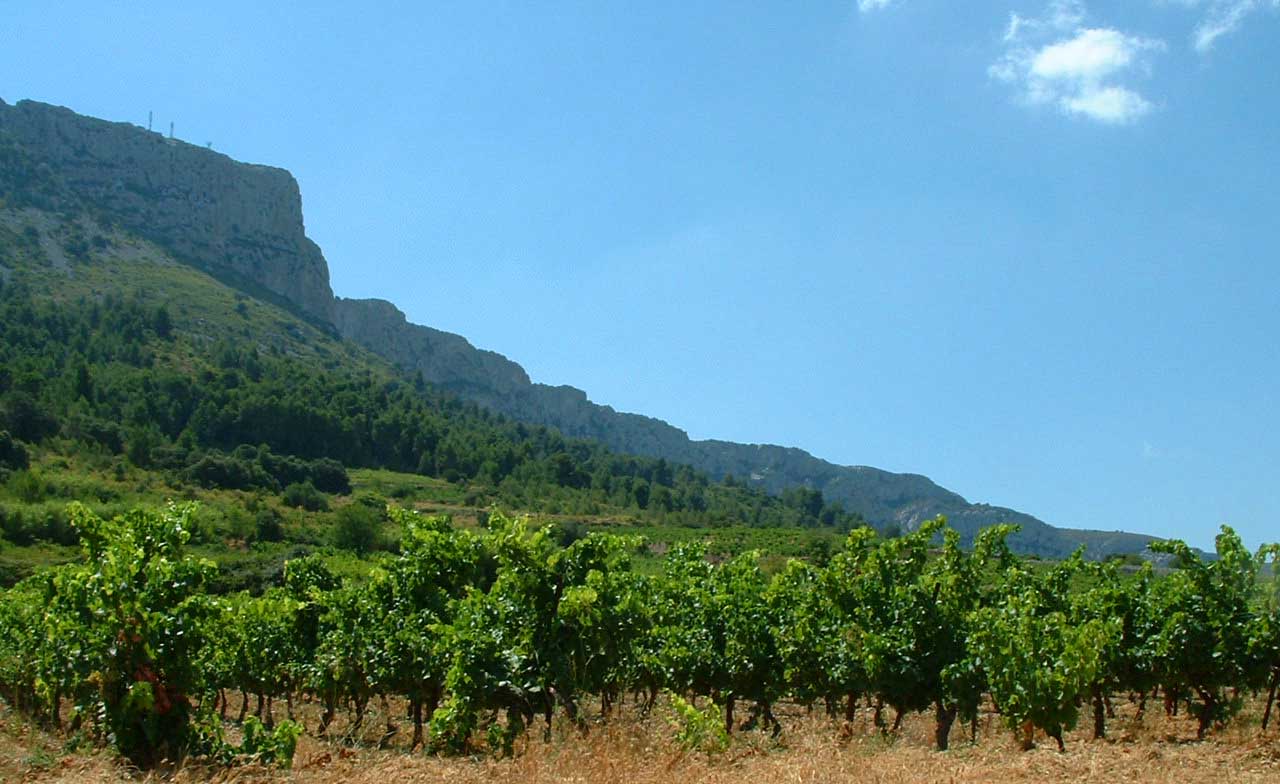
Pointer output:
x,y
270,745
13,454
13,525
26,487
268,525
567,532
330,476
125,631
240,525
357,528
304,495
27,418
699,730
232,473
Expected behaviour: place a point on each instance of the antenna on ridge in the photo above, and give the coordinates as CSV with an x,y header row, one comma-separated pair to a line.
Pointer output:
x,y
149,120
170,129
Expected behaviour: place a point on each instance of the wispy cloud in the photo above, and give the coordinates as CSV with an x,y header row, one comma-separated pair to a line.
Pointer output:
x,y
1054,59
866,6
1222,17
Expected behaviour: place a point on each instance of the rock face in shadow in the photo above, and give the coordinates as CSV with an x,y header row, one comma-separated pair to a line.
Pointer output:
x,y
241,221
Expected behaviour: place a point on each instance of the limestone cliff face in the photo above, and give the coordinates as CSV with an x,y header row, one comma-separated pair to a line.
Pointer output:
x,y
444,359
240,220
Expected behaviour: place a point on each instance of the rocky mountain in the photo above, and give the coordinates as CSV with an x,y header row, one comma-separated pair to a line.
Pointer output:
x,y
243,223
239,221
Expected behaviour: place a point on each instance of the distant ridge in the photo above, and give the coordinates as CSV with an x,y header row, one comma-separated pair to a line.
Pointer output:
x,y
243,222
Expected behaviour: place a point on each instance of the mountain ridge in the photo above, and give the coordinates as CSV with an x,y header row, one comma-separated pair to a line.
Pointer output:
x,y
244,222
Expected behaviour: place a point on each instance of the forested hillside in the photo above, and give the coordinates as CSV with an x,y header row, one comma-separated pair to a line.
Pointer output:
x,y
117,360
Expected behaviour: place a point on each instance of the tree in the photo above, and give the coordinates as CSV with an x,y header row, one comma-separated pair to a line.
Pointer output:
x,y
27,418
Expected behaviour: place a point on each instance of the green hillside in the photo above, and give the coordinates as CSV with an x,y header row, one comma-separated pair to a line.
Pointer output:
x,y
128,378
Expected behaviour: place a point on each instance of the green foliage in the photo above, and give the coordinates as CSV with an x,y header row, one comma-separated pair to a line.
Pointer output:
x,y
356,527
1202,626
268,526
304,495
195,399
13,455
273,746
484,632
121,634
1038,663
259,743
26,486
698,729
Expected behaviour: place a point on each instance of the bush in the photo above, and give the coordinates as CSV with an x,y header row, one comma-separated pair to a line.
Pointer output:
x,y
304,495
330,476
357,528
47,522
239,524
13,454
13,525
699,730
26,487
268,525
129,642
141,445
231,473
96,431
567,532
268,746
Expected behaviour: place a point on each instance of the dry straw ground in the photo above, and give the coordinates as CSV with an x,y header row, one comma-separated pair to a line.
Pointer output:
x,y
813,749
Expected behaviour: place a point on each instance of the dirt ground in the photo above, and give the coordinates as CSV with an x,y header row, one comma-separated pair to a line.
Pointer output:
x,y
635,751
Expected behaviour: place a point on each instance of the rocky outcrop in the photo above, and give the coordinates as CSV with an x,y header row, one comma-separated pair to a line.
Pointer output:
x,y
444,359
238,220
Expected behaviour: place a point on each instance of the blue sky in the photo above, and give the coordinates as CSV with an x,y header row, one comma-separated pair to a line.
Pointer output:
x,y
1025,248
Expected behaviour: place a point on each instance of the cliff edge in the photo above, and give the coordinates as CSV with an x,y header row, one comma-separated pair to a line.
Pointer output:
x,y
241,221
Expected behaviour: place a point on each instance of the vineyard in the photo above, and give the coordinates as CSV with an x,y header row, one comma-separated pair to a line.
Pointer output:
x,y
484,641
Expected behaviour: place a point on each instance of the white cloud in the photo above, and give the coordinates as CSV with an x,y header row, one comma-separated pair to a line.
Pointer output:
x,y
867,6
1055,60
1223,17
1219,18
1114,105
